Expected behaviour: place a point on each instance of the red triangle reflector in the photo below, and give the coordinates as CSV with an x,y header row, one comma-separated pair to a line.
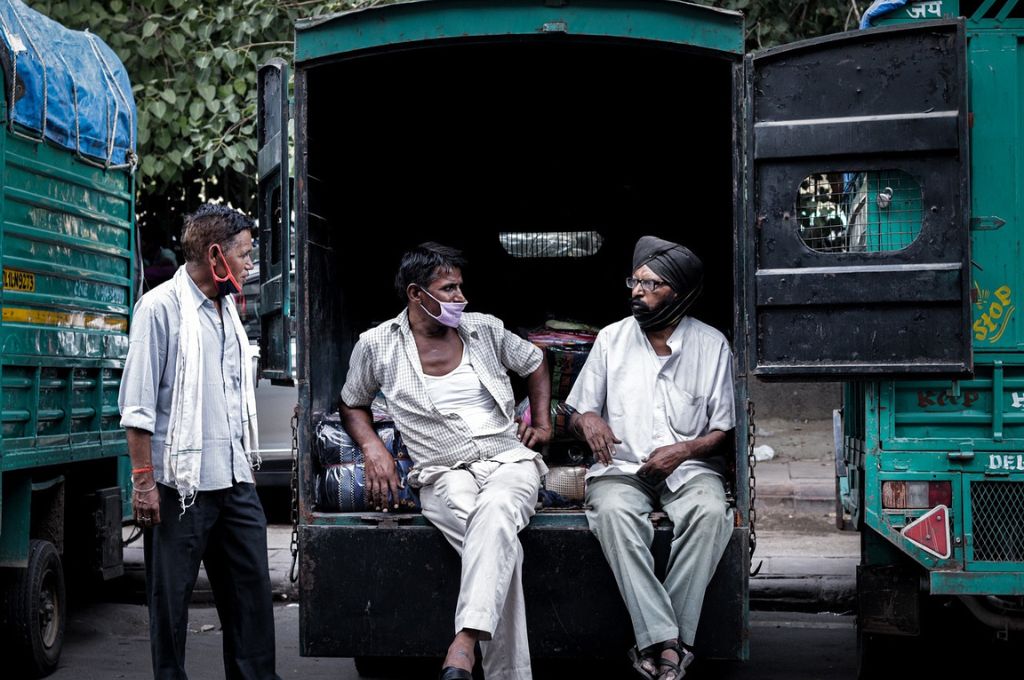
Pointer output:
x,y
930,532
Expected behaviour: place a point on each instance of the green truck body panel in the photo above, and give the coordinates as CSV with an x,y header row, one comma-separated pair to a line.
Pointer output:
x,y
659,22
967,432
66,239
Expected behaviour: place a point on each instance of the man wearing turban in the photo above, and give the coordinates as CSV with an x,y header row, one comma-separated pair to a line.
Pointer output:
x,y
655,404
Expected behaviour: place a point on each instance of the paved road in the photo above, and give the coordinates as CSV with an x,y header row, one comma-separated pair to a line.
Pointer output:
x,y
108,642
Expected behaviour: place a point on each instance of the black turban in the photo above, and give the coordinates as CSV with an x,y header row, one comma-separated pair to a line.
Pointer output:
x,y
679,268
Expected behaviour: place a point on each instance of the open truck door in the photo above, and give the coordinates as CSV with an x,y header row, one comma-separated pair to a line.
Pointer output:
x,y
857,242
274,210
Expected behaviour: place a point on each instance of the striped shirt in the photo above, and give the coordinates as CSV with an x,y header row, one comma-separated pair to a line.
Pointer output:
x,y
385,358
148,380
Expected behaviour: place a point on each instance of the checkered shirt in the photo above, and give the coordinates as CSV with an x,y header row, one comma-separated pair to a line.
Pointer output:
x,y
385,358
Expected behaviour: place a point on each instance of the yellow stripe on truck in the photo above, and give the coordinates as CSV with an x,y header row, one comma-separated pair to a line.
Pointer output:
x,y
84,320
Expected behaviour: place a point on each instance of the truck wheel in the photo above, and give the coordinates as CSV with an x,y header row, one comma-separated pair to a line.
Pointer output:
x,y
36,611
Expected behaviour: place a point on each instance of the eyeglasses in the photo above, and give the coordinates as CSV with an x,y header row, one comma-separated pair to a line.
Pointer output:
x,y
650,285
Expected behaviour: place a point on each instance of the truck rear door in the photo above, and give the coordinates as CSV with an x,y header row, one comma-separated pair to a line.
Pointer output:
x,y
275,233
856,251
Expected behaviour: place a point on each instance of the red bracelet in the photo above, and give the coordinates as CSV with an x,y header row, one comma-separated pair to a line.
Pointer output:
x,y
139,471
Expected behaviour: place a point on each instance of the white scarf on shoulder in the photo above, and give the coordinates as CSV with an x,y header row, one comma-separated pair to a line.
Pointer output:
x,y
183,448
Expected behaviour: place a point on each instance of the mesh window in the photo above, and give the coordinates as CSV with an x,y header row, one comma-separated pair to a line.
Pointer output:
x,y
997,513
848,212
551,243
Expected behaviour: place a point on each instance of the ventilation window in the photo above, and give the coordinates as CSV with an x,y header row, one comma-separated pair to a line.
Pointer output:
x,y
550,243
865,212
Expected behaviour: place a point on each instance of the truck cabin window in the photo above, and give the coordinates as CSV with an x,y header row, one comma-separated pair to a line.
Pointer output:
x,y
866,212
550,243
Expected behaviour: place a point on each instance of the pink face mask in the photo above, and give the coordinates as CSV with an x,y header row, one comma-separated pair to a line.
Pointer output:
x,y
451,312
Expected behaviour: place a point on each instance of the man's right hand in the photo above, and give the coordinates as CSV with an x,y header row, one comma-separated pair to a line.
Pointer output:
x,y
381,476
598,435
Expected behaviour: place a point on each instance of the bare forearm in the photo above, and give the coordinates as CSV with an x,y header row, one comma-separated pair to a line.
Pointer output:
x,y
359,424
538,386
140,448
703,447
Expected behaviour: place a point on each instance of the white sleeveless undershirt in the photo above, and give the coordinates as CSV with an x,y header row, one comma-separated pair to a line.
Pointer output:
x,y
461,392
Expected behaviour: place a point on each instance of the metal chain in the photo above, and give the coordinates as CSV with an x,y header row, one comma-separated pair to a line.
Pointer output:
x,y
752,482
294,574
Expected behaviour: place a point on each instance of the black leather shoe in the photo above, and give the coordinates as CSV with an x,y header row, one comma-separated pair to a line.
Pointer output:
x,y
453,673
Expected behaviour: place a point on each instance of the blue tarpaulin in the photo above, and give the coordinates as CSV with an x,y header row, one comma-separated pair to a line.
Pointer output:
x,y
66,86
878,8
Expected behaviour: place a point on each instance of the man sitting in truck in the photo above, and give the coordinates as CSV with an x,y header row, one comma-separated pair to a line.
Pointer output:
x,y
444,374
654,402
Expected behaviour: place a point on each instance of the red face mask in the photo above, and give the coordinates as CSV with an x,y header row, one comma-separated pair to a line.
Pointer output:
x,y
226,285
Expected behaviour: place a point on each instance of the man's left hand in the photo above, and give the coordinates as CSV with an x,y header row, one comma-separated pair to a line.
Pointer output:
x,y
662,462
534,436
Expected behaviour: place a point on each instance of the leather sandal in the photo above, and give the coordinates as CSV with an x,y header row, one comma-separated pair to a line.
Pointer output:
x,y
649,658
455,673
677,668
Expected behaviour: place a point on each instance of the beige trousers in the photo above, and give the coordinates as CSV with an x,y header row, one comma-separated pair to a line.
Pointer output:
x,y
481,510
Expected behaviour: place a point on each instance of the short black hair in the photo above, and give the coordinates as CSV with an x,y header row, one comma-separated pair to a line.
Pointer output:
x,y
419,266
211,223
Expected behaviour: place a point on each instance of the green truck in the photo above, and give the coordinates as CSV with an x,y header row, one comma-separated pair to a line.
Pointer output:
x,y
931,471
67,233
854,200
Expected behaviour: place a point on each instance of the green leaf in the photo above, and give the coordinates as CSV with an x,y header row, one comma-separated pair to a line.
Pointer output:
x,y
213,105
174,157
238,166
169,96
158,109
196,109
178,41
202,61
148,29
207,92
116,6
241,86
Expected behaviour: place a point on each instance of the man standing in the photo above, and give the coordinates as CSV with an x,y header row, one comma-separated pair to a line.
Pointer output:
x,y
188,406
445,377
655,404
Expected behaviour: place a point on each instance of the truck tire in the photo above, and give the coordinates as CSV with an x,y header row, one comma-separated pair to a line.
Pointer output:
x,y
36,611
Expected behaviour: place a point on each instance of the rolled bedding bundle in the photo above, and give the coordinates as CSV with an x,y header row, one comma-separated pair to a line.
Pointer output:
x,y
341,482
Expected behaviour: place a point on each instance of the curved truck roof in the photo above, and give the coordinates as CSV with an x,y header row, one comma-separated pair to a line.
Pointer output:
x,y
66,86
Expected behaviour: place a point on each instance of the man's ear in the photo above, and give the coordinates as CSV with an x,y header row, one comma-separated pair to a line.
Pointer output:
x,y
412,292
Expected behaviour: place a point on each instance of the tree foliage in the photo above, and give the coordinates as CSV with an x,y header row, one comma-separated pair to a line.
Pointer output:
x,y
776,22
193,67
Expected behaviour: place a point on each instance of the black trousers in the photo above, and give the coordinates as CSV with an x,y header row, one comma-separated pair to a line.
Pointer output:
x,y
227,531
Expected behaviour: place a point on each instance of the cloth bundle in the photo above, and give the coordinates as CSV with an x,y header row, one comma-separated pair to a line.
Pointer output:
x,y
566,346
341,482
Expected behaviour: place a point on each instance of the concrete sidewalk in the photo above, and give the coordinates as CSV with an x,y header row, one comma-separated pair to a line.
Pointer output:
x,y
802,562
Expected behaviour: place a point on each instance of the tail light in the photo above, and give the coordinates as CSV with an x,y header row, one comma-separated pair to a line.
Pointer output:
x,y
900,495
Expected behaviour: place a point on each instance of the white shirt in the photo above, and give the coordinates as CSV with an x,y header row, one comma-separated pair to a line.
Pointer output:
x,y
651,401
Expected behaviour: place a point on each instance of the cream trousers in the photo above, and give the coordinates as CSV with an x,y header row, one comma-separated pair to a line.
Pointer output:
x,y
481,509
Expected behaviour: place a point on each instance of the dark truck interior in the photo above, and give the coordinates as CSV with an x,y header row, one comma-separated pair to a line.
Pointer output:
x,y
481,146
460,143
